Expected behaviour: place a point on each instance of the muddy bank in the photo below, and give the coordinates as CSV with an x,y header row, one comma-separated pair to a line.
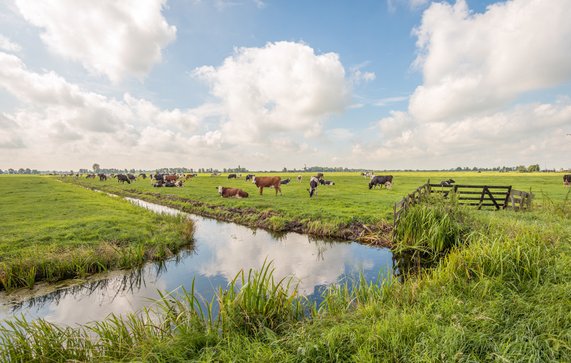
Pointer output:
x,y
378,234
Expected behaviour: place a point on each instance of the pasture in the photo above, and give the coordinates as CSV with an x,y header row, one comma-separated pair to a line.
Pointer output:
x,y
497,289
339,210
52,231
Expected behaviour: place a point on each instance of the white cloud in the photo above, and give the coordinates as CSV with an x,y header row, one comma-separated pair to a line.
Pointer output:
x,y
9,46
9,137
475,63
59,117
113,38
523,134
358,76
280,88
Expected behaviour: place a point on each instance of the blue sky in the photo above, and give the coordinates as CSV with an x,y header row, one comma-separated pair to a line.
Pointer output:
x,y
267,84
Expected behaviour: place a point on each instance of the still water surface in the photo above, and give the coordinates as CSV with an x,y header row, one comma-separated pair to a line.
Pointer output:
x,y
221,249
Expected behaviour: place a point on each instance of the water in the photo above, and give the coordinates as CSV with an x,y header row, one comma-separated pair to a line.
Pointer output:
x,y
221,250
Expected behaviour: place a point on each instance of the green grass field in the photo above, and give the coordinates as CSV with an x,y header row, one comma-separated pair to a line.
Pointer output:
x,y
52,230
338,211
498,291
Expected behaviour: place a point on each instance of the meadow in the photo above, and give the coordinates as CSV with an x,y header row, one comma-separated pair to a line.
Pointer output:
x,y
497,288
53,231
347,210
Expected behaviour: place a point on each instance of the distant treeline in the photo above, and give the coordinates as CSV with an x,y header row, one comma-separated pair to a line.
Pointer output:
x,y
239,169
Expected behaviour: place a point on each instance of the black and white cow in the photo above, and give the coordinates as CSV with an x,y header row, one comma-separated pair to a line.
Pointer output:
x,y
447,183
567,180
380,180
313,184
249,177
285,181
326,182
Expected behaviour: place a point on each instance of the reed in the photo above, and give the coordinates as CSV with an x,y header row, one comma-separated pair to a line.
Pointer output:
x,y
430,230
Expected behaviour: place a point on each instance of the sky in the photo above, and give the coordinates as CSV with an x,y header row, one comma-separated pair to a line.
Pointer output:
x,y
268,84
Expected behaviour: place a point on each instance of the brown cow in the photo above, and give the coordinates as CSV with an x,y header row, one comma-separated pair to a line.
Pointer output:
x,y
171,178
266,182
231,192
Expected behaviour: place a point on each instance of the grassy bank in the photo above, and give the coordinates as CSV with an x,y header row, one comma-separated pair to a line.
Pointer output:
x,y
53,231
347,210
499,291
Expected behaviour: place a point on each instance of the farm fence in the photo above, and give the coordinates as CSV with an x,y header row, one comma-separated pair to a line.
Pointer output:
x,y
497,196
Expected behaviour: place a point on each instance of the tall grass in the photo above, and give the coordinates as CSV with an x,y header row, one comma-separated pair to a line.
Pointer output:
x,y
430,229
261,302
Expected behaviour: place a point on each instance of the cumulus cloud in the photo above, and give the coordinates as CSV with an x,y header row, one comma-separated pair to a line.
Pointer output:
x,y
9,137
9,46
475,63
524,133
113,38
58,117
282,87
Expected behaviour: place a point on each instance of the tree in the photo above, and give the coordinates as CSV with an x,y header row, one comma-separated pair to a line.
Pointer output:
x,y
96,168
533,168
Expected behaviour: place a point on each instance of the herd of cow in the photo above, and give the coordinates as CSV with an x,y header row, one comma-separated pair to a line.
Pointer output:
x,y
261,182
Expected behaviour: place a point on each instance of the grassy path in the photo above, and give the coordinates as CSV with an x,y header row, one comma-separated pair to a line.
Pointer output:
x,y
52,230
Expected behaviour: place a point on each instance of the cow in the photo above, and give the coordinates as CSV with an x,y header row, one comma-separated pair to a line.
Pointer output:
x,y
313,184
231,176
215,174
189,176
90,176
158,184
102,177
299,178
326,182
380,180
131,177
266,182
122,178
143,175
447,183
567,180
158,177
231,192
171,178
319,176
249,177
285,181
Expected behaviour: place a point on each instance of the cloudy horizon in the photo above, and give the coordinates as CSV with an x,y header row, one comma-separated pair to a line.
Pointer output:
x,y
400,84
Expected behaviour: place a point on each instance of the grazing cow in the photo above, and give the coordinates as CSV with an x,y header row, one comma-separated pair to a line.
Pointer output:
x,y
171,178
380,180
567,180
143,175
131,177
299,178
319,176
326,182
231,192
249,177
285,181
266,182
447,183
102,177
122,178
313,184
231,176
189,176
90,176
